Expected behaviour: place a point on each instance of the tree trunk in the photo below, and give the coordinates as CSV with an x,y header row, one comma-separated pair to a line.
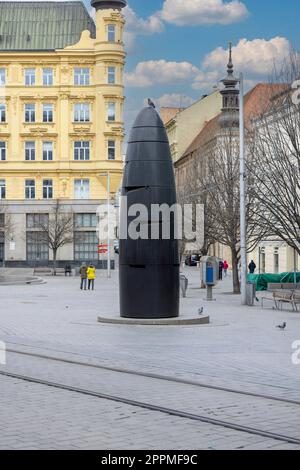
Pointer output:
x,y
54,262
235,272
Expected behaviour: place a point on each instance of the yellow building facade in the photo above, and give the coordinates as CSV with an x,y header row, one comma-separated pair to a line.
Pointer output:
x,y
61,125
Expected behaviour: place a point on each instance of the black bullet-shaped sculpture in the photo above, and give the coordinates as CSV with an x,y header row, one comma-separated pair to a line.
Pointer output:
x,y
149,268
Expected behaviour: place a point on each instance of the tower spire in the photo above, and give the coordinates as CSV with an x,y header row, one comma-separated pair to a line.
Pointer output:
x,y
230,93
230,63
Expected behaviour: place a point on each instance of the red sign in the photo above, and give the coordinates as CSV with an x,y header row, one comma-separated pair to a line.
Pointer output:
x,y
102,251
102,245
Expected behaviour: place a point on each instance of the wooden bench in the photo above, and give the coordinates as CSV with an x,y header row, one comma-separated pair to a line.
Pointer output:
x,y
276,286
59,271
282,297
63,271
296,300
43,270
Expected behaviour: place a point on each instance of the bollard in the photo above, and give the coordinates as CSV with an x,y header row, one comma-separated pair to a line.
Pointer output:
x,y
209,293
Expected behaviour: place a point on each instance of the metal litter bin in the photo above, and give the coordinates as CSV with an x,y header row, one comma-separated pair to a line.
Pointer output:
x,y
183,284
251,293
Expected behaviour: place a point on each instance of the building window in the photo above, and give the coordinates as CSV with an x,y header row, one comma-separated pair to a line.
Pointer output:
x,y
86,220
276,260
47,151
111,150
48,112
29,112
29,77
30,151
82,150
2,77
47,189
82,189
2,151
81,112
2,112
47,77
37,220
37,247
29,189
86,246
111,75
2,190
111,111
81,76
111,33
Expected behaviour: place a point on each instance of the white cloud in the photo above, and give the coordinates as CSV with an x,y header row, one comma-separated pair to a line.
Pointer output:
x,y
203,12
207,80
256,59
136,26
253,57
174,100
160,72
151,25
181,13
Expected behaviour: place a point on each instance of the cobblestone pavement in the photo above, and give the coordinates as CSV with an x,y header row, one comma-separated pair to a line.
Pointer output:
x,y
241,348
45,418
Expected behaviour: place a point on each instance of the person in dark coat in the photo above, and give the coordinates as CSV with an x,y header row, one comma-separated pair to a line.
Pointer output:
x,y
83,276
252,267
221,267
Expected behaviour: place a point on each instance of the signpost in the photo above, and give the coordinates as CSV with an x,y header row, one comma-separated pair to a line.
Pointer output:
x,y
102,248
107,174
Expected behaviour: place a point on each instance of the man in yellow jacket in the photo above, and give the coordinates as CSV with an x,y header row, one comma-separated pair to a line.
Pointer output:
x,y
91,270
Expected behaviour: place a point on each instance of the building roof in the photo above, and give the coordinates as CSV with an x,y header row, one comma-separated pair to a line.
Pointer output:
x,y
102,4
257,102
42,26
167,114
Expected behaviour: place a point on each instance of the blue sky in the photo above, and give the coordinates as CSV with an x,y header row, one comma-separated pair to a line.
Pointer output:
x,y
177,48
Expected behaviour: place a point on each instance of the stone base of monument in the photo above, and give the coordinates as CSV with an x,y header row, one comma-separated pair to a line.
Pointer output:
x,y
179,321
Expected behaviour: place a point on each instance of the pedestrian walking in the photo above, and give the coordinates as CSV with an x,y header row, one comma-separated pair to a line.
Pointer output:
x,y
83,276
221,266
252,267
91,270
225,267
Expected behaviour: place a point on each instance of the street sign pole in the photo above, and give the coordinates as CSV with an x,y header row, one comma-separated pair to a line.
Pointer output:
x,y
108,225
243,197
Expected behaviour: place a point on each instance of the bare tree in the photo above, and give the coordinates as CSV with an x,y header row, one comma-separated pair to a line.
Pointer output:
x,y
6,225
275,165
193,191
211,177
222,182
57,231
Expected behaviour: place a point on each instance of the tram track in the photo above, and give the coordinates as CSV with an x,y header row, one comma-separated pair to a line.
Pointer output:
x,y
150,375
171,411
155,408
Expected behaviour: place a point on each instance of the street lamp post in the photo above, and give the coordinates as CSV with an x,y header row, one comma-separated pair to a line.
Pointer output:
x,y
243,243
107,174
